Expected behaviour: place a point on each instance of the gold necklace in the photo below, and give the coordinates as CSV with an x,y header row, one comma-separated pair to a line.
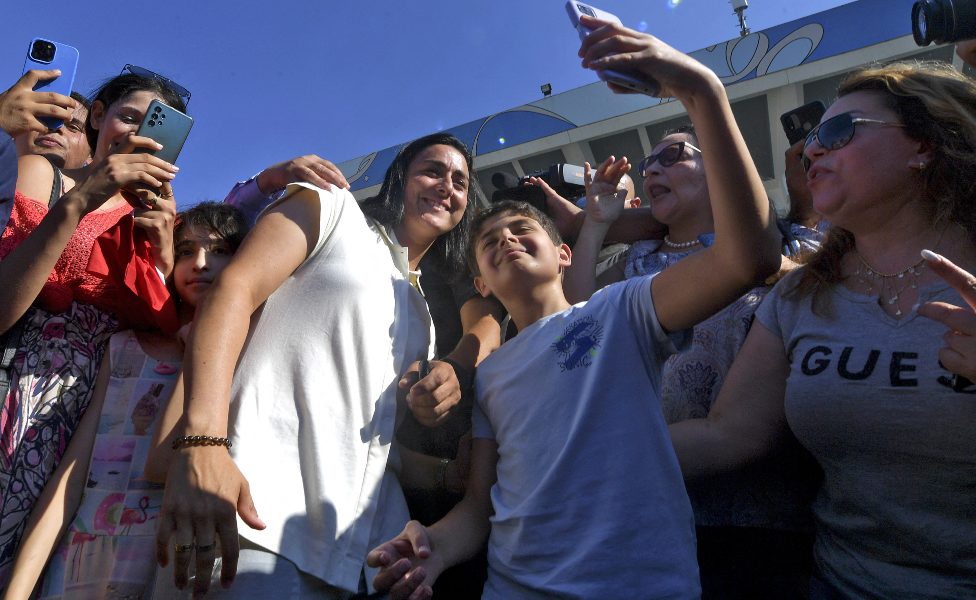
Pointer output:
x,y
887,282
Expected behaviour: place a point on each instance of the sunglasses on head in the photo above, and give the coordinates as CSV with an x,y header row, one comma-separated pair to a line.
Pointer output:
x,y
668,155
835,133
181,91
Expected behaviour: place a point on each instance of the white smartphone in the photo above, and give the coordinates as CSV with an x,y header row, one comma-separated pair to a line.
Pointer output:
x,y
644,85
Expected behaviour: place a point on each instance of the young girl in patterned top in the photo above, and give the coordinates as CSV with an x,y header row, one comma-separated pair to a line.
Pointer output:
x,y
108,549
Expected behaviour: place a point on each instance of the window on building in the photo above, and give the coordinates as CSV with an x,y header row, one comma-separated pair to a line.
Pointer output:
x,y
541,162
484,177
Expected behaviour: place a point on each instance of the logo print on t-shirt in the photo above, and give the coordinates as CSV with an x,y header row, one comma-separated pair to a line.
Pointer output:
x,y
578,344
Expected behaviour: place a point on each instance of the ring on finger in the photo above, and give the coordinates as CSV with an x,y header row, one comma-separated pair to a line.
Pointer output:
x,y
166,196
207,548
184,547
151,202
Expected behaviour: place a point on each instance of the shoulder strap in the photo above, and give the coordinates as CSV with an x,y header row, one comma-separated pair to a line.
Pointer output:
x,y
57,188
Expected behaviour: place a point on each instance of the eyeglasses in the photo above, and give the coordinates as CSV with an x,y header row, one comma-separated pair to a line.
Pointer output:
x,y
181,91
835,133
668,155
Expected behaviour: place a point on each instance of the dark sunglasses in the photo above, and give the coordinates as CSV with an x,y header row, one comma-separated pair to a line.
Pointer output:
x,y
668,155
835,133
181,91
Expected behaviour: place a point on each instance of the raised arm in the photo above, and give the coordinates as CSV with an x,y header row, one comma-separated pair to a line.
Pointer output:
x,y
635,224
255,194
59,501
205,490
746,248
604,205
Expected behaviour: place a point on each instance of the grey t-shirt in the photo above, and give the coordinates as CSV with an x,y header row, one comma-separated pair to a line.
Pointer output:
x,y
866,395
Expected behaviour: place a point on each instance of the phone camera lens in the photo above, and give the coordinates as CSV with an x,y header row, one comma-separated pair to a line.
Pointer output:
x,y
42,51
158,109
152,123
162,116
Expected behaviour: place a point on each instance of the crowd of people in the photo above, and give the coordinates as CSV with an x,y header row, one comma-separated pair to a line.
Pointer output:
x,y
295,394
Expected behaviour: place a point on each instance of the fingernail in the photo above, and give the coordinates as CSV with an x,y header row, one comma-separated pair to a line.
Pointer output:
x,y
932,256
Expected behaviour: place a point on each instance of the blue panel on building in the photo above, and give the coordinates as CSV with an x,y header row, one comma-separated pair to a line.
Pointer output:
x,y
517,127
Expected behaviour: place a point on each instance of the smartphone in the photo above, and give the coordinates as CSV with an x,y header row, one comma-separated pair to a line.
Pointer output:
x,y
167,126
423,370
46,55
798,122
641,84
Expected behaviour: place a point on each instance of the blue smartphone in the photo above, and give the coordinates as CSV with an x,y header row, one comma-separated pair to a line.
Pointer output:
x,y
46,55
167,126
642,84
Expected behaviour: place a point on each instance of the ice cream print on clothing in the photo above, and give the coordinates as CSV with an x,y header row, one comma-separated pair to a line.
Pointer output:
x,y
578,344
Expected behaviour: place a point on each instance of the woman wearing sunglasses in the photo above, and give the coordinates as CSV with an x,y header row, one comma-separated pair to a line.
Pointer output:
x,y
754,534
840,356
55,316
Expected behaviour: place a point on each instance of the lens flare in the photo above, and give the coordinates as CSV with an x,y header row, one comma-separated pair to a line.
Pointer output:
x,y
673,3
501,141
642,26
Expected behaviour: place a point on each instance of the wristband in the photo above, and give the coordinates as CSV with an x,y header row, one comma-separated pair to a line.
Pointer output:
x,y
465,379
201,440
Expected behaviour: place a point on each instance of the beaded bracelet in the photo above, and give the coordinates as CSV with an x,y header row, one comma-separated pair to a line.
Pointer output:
x,y
201,440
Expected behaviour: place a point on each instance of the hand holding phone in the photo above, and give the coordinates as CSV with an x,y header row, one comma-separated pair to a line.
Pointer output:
x,y
21,108
168,127
45,55
642,84
798,122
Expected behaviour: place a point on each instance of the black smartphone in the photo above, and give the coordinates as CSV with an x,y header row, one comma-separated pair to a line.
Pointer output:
x,y
798,122
423,369
167,126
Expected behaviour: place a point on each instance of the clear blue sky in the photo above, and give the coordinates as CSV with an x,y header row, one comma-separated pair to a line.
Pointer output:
x,y
273,80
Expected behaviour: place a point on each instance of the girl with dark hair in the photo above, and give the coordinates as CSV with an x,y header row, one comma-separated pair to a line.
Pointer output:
x,y
55,316
96,518
841,353
307,407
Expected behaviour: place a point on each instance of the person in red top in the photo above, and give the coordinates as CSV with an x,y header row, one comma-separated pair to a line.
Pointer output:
x,y
56,316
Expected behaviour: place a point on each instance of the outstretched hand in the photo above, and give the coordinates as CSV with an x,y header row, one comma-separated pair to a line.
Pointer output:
x,y
604,202
310,169
959,354
20,106
615,47
407,566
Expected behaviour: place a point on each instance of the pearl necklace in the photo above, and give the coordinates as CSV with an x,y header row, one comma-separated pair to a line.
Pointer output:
x,y
667,241
886,282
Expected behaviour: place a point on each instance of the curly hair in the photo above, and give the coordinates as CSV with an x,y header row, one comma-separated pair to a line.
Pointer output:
x,y
937,106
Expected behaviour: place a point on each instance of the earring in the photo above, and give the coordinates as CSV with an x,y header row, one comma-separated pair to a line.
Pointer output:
x,y
921,166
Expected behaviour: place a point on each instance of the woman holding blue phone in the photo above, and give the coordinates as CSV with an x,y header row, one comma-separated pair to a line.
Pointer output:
x,y
55,317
